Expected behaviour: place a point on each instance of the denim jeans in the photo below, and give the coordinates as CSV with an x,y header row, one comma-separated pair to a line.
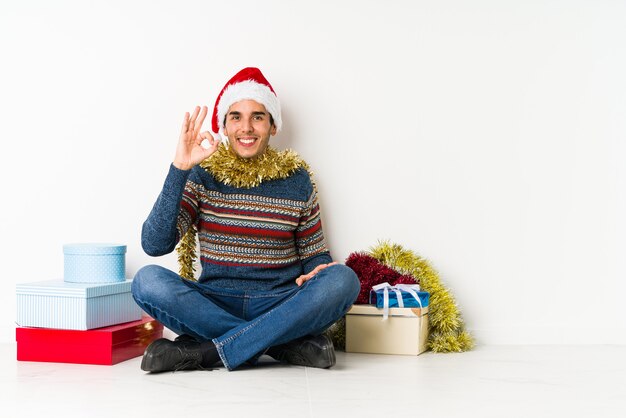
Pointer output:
x,y
243,324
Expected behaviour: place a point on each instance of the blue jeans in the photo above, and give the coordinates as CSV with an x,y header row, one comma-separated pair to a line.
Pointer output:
x,y
243,324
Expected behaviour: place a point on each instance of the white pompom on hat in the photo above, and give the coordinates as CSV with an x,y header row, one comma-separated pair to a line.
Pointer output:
x,y
247,84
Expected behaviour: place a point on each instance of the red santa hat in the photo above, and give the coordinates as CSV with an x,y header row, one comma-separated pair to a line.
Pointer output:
x,y
247,84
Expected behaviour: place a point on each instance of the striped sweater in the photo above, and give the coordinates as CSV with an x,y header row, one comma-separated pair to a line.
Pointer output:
x,y
257,238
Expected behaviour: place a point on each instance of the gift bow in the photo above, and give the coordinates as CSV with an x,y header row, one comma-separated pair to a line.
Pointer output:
x,y
412,289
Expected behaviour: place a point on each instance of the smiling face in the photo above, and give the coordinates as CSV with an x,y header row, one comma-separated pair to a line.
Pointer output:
x,y
248,128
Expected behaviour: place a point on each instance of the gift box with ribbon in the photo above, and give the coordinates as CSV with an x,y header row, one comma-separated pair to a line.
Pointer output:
x,y
395,321
385,296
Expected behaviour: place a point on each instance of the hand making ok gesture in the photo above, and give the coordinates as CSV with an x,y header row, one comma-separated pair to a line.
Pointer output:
x,y
190,151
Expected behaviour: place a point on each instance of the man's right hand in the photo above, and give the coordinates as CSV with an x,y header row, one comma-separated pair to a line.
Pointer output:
x,y
190,151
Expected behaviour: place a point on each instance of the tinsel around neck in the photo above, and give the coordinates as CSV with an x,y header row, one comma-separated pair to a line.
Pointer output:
x,y
230,169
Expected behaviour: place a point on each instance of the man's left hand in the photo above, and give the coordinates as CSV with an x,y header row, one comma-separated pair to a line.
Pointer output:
x,y
305,277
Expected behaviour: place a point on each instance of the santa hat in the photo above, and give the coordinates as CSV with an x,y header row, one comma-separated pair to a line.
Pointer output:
x,y
247,84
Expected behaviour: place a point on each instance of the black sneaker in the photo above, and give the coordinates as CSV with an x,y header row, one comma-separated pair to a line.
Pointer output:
x,y
164,355
308,351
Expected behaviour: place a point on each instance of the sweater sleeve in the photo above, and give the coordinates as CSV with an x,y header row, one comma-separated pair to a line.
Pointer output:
x,y
173,212
310,240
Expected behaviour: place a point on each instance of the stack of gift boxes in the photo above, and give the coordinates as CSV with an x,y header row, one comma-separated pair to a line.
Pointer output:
x,y
89,317
394,322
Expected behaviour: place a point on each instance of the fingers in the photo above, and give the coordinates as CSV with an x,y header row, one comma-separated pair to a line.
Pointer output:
x,y
185,126
207,141
200,120
189,120
317,269
194,122
322,267
206,135
195,114
306,277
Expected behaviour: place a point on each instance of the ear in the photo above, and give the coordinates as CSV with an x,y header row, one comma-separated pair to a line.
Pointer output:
x,y
273,130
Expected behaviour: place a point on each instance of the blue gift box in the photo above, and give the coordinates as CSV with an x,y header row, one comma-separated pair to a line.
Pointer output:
x,y
78,306
377,298
94,263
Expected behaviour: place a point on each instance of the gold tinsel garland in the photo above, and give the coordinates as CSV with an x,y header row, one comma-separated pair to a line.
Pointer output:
x,y
187,254
230,169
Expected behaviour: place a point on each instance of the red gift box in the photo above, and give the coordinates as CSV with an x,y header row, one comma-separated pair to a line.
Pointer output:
x,y
106,345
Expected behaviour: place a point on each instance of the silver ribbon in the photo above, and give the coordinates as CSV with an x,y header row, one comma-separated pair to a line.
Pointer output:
x,y
412,289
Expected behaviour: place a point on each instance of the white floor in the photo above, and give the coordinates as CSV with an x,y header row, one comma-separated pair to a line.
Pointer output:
x,y
492,381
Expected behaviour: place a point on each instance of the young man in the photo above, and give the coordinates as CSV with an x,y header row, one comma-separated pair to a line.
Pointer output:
x,y
268,284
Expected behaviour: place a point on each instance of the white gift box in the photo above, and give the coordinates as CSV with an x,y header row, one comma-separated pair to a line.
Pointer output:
x,y
79,306
405,331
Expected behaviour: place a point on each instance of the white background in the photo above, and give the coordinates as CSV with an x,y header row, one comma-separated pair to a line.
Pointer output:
x,y
487,136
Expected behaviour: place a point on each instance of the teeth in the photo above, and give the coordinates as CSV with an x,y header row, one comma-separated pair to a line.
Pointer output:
x,y
247,141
